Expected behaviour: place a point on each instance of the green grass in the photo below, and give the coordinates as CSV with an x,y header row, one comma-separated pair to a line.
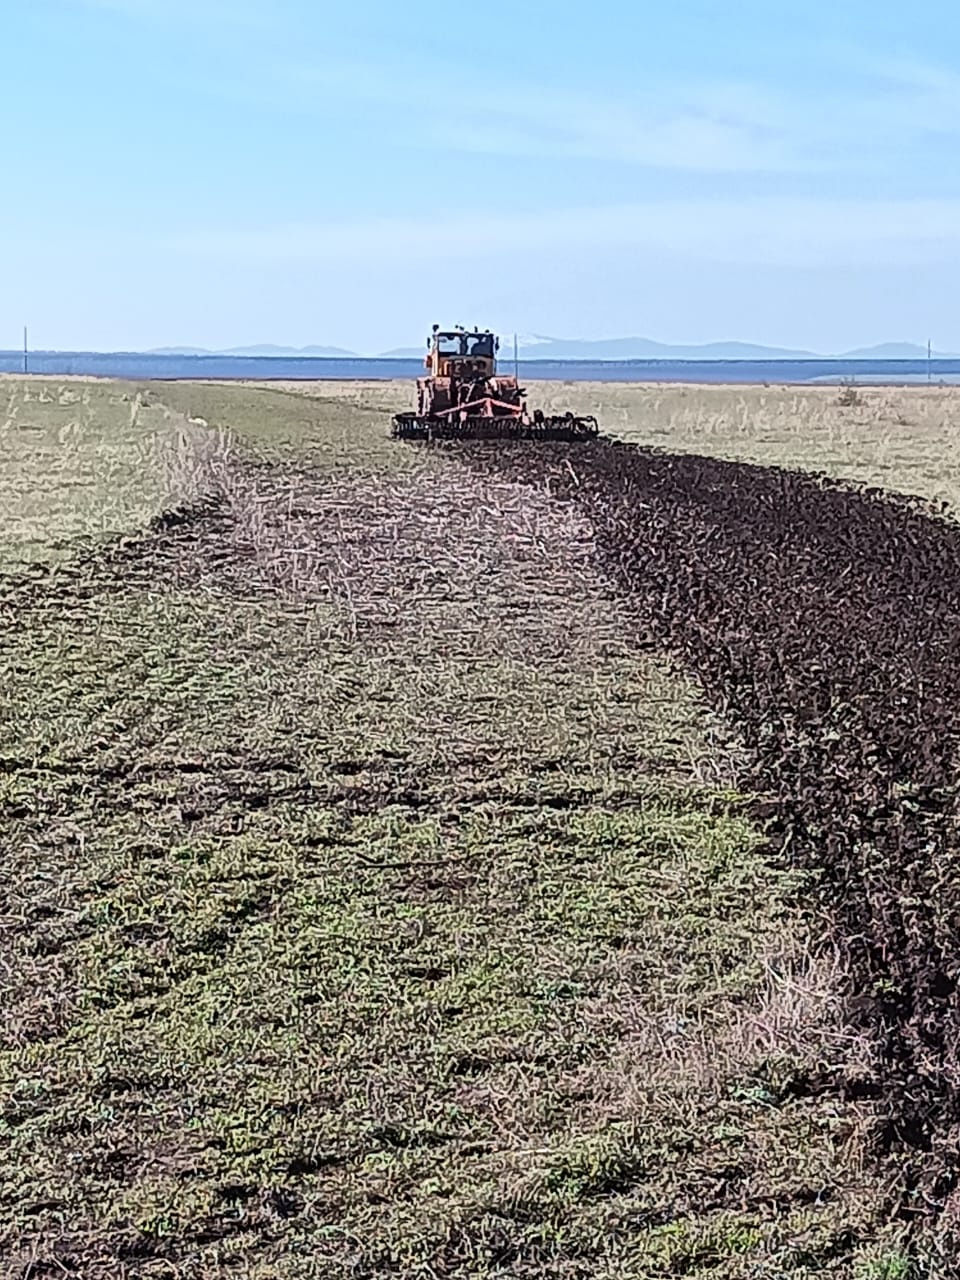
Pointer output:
x,y
377,906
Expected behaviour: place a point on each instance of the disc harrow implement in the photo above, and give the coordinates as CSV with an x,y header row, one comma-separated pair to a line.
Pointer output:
x,y
409,426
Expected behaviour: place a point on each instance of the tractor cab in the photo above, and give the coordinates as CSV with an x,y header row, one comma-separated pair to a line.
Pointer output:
x,y
457,353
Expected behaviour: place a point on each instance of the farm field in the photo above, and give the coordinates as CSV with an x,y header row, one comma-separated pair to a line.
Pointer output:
x,y
384,899
898,438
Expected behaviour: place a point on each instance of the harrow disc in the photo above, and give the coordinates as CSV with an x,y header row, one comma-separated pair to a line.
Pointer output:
x,y
565,427
407,426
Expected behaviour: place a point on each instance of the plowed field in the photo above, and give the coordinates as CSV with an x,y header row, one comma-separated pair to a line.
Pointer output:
x,y
825,620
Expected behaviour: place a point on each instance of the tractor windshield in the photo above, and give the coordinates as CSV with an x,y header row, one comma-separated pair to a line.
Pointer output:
x,y
480,344
477,345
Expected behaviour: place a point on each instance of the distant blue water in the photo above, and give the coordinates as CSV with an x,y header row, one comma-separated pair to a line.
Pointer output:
x,y
141,367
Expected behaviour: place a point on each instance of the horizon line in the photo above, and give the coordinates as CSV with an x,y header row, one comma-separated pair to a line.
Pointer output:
x,y
386,358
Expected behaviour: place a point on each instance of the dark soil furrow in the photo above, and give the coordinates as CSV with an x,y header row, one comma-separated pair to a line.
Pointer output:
x,y
826,622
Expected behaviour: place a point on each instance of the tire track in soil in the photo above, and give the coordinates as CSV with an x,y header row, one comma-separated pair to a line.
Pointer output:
x,y
825,621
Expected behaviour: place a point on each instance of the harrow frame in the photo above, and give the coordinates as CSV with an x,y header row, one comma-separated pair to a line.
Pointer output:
x,y
460,424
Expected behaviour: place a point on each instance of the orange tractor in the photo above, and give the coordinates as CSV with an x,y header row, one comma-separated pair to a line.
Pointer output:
x,y
465,398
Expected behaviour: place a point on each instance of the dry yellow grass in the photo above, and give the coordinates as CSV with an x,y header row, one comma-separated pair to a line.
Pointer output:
x,y
86,459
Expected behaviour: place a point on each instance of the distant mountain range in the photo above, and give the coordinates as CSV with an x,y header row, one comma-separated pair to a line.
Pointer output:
x,y
535,347
541,348
268,349
897,351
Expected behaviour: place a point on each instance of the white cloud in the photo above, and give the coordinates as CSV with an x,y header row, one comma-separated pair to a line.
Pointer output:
x,y
773,232
866,114
592,129
711,128
725,128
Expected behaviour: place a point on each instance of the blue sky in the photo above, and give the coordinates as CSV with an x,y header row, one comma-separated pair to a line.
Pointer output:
x,y
219,172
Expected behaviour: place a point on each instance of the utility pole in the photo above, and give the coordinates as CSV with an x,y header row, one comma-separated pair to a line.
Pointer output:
x,y
26,351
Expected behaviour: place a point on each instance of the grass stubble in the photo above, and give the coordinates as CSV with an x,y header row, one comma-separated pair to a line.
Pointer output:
x,y
378,901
